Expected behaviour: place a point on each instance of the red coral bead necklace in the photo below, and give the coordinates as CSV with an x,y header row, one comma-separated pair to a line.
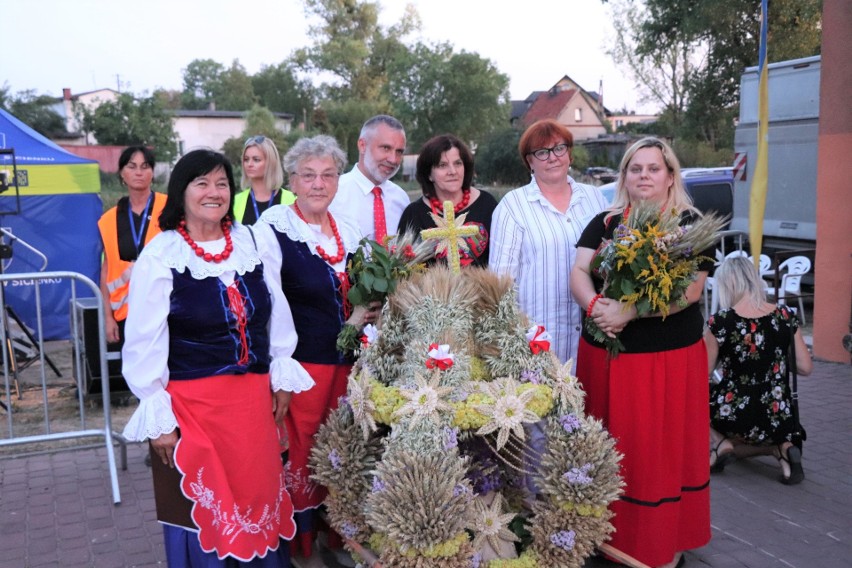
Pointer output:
x,y
438,207
341,252
199,251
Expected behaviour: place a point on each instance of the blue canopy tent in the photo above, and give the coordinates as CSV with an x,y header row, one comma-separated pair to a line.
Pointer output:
x,y
57,213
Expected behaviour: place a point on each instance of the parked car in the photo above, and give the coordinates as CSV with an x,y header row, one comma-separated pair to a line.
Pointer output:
x,y
604,175
608,191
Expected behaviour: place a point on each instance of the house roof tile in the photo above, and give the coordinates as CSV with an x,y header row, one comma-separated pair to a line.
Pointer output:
x,y
548,105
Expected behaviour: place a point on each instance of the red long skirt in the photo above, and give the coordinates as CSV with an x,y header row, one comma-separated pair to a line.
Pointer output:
x,y
655,406
307,411
230,464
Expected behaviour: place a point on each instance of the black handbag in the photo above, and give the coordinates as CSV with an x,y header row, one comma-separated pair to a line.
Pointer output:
x,y
799,436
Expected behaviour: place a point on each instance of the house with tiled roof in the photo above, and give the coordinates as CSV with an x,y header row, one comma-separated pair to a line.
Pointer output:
x,y
568,103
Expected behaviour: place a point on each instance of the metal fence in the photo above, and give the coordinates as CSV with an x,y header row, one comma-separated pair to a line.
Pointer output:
x,y
16,344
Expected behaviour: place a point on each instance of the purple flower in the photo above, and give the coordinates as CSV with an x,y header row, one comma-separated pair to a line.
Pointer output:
x,y
378,484
451,439
579,476
570,422
343,400
348,529
476,561
460,489
334,458
533,377
563,539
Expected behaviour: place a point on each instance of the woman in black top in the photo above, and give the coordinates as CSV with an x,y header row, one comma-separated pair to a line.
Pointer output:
x,y
445,171
653,396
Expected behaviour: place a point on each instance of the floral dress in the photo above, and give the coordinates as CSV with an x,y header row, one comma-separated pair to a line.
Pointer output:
x,y
752,401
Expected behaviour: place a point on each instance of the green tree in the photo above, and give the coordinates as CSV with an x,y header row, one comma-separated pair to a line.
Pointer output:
x,y
580,159
343,120
129,120
660,74
434,90
169,99
207,82
201,79
234,89
278,89
350,44
730,31
497,159
34,110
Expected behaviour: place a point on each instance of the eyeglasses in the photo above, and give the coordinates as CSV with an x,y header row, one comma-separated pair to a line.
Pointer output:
x,y
544,153
255,140
310,177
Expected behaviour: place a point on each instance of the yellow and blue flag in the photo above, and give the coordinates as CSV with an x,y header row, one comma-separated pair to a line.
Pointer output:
x,y
760,180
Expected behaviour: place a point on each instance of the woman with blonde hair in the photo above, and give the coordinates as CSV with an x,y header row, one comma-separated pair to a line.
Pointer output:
x,y
652,396
750,406
263,180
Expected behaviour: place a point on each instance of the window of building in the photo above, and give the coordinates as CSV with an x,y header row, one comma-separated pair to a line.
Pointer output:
x,y
578,114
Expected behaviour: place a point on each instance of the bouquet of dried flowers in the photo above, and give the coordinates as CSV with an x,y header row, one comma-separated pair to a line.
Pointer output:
x,y
374,271
650,261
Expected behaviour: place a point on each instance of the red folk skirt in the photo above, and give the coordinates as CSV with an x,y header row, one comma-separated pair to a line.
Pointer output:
x,y
229,467
307,411
655,407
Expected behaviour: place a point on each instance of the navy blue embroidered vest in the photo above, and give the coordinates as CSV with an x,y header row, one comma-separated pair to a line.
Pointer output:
x,y
313,292
203,336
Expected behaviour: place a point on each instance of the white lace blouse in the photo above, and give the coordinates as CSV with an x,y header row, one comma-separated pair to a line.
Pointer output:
x,y
283,219
146,346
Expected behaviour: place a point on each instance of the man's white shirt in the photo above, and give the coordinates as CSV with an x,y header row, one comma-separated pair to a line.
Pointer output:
x,y
354,201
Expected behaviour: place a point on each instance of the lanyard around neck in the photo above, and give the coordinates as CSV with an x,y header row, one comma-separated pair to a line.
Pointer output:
x,y
254,203
137,235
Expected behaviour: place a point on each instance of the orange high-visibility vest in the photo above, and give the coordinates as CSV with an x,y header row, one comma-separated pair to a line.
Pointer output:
x,y
118,271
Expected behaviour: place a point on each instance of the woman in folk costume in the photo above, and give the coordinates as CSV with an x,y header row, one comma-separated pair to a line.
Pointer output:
x,y
308,253
208,353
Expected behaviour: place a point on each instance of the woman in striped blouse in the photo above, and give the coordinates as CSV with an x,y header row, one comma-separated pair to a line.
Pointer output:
x,y
535,230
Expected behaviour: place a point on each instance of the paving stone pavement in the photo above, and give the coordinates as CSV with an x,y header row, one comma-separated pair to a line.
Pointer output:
x,y
56,509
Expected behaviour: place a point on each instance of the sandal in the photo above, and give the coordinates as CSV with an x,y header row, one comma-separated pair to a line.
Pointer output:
x,y
794,462
720,460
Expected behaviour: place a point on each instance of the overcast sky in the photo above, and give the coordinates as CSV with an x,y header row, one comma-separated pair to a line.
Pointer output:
x,y
91,44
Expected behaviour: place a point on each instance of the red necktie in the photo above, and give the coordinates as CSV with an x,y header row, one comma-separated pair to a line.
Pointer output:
x,y
379,216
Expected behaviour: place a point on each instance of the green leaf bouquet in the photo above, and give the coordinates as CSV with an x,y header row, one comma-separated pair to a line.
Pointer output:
x,y
374,272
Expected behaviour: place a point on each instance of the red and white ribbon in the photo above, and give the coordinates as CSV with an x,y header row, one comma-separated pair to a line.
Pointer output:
x,y
371,334
440,357
539,339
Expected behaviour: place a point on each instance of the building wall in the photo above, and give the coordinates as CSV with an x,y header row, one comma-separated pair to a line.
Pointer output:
x,y
833,261
617,120
204,132
212,131
589,125
106,156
